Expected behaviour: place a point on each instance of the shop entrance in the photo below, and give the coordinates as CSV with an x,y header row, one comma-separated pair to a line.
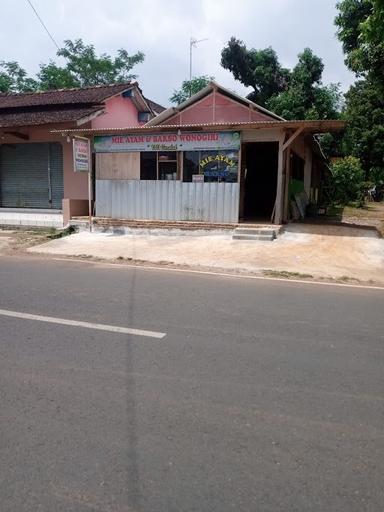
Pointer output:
x,y
260,180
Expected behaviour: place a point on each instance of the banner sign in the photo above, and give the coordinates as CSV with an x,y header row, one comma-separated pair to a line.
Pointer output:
x,y
81,154
187,141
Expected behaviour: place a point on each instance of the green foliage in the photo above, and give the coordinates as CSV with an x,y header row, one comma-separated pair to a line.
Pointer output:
x,y
82,68
190,87
259,69
347,180
306,97
360,26
295,94
364,137
13,78
52,76
332,144
376,176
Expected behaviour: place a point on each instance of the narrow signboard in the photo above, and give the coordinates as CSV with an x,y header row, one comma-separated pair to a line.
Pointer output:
x,y
81,154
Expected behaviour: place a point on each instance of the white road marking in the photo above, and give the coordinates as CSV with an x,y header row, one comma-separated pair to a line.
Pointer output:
x,y
87,325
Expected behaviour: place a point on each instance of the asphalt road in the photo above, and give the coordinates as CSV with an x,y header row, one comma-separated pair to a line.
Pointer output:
x,y
262,396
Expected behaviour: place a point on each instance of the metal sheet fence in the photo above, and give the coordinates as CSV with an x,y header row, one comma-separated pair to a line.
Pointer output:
x,y
167,200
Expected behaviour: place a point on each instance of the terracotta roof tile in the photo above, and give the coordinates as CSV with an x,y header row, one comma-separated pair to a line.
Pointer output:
x,y
32,117
155,106
85,95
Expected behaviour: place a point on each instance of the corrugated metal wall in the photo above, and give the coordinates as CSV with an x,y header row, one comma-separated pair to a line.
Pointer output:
x,y
167,200
31,175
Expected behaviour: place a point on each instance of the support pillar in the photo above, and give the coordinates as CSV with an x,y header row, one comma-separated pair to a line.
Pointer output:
x,y
280,188
308,170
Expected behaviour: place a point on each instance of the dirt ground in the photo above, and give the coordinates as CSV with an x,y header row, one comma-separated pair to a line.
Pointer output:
x,y
303,250
19,240
372,214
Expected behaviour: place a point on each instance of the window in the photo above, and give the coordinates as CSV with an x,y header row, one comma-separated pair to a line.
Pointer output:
x,y
143,117
148,165
158,165
221,166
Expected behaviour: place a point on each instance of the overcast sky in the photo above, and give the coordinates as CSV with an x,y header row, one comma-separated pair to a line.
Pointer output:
x,y
162,30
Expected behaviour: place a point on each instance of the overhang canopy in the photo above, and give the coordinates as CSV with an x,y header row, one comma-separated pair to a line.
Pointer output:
x,y
308,126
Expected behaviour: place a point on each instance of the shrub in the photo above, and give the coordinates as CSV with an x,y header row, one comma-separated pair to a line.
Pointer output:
x,y
347,181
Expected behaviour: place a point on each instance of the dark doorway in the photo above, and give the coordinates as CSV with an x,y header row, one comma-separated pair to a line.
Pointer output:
x,y
260,180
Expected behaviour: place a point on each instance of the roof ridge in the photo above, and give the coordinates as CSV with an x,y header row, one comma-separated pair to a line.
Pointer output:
x,y
50,91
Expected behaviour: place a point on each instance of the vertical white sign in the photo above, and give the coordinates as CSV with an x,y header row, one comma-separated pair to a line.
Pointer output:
x,y
81,154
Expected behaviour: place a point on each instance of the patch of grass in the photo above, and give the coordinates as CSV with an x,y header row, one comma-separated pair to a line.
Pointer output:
x,y
54,233
334,211
346,279
368,211
286,274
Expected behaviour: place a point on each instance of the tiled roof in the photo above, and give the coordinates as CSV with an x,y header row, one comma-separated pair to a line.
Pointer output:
x,y
43,116
85,95
155,106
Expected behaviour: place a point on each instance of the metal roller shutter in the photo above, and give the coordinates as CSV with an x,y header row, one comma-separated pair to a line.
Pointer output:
x,y
31,175
56,164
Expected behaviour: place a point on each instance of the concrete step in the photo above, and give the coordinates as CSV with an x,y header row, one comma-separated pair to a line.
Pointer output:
x,y
261,234
254,231
261,238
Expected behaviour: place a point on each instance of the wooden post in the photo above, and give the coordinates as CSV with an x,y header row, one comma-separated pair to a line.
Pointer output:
x,y
279,189
308,170
286,183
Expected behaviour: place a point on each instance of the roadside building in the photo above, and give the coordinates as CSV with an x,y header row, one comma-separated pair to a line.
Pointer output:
x,y
216,158
38,185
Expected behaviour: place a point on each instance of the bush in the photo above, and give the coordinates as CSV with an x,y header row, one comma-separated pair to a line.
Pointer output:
x,y
376,175
347,183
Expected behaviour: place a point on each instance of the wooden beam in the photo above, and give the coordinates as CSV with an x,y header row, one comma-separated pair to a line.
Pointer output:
x,y
18,135
308,170
293,137
278,208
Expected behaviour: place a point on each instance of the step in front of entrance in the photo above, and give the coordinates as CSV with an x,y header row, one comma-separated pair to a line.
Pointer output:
x,y
261,234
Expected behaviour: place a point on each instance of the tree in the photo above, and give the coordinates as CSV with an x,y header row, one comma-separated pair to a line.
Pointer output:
x,y
52,76
259,69
13,78
306,97
83,67
190,87
296,94
364,137
360,29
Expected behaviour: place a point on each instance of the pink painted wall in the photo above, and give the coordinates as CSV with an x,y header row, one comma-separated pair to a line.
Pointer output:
x,y
216,110
120,113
